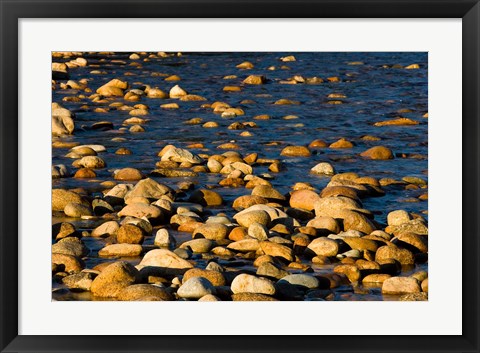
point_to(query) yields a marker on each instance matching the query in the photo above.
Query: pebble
(324, 247)
(401, 285)
(144, 292)
(304, 199)
(113, 279)
(212, 231)
(295, 151)
(77, 210)
(323, 168)
(301, 280)
(140, 210)
(216, 278)
(245, 283)
(166, 260)
(195, 288)
(130, 234)
(121, 250)
(378, 152)
(200, 246)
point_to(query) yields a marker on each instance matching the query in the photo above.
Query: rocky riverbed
(239, 176)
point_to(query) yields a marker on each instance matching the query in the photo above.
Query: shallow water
(374, 93)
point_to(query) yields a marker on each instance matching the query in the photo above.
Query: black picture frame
(12, 11)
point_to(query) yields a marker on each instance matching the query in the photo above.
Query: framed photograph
(236, 176)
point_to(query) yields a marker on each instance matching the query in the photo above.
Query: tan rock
(304, 199)
(244, 283)
(378, 152)
(113, 279)
(212, 231)
(324, 247)
(400, 285)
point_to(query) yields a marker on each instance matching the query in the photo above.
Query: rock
(121, 250)
(106, 229)
(345, 191)
(254, 80)
(59, 71)
(245, 283)
(397, 122)
(425, 285)
(166, 260)
(101, 207)
(92, 162)
(128, 174)
(61, 198)
(246, 201)
(277, 250)
(376, 278)
(77, 210)
(214, 277)
(391, 251)
(85, 173)
(63, 230)
(414, 297)
(156, 93)
(139, 210)
(341, 143)
(258, 231)
(140, 291)
(351, 271)
(181, 155)
(149, 189)
(251, 297)
(301, 280)
(289, 58)
(163, 238)
(318, 144)
(295, 151)
(70, 263)
(304, 199)
(244, 245)
(62, 121)
(177, 92)
(416, 226)
(324, 247)
(212, 231)
(60, 171)
(334, 206)
(70, 246)
(195, 288)
(79, 281)
(361, 244)
(324, 225)
(130, 234)
(248, 218)
(356, 221)
(246, 65)
(267, 192)
(209, 298)
(269, 269)
(398, 217)
(113, 88)
(323, 168)
(412, 239)
(198, 245)
(400, 285)
(214, 166)
(378, 152)
(113, 279)
(206, 198)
